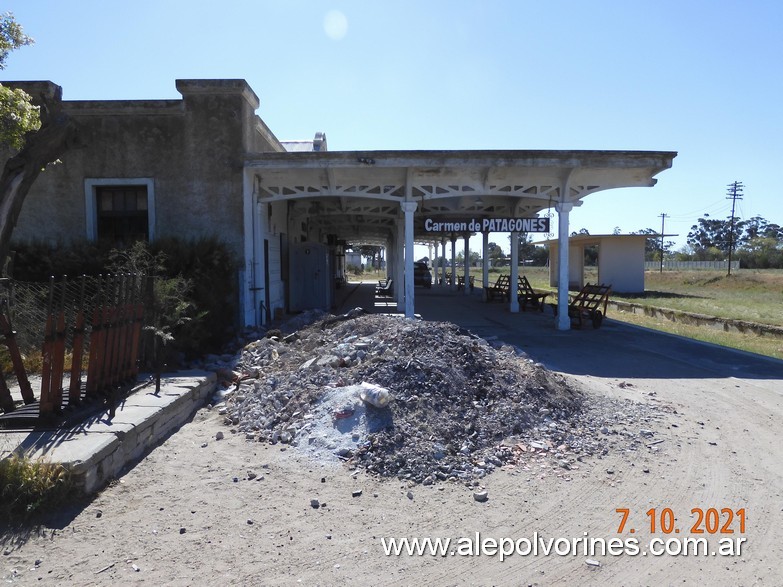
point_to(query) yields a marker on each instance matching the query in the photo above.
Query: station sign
(489, 225)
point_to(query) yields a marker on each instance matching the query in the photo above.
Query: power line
(704, 209)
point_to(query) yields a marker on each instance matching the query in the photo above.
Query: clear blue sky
(703, 78)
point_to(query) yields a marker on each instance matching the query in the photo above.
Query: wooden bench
(589, 304)
(461, 282)
(527, 294)
(500, 289)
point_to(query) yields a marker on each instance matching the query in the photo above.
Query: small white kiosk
(620, 260)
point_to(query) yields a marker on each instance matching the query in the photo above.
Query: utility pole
(663, 219)
(734, 194)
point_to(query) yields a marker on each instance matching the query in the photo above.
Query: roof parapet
(188, 87)
(37, 89)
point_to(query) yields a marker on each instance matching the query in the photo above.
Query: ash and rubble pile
(460, 406)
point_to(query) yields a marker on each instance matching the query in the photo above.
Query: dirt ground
(198, 511)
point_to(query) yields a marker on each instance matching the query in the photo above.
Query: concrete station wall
(192, 149)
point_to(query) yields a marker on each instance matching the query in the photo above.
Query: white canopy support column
(484, 264)
(514, 278)
(443, 263)
(255, 229)
(466, 265)
(563, 321)
(262, 232)
(399, 266)
(390, 252)
(409, 208)
(387, 257)
(452, 282)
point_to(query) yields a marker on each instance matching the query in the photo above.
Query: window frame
(91, 186)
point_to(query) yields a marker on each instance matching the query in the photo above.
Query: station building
(207, 164)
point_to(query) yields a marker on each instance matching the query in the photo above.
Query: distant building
(353, 258)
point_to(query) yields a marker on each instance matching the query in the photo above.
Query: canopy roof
(596, 239)
(357, 194)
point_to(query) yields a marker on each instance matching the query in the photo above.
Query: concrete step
(97, 450)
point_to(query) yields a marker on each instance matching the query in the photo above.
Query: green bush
(206, 266)
(38, 260)
(212, 271)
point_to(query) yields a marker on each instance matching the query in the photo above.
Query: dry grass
(33, 361)
(755, 296)
(369, 275)
(32, 486)
(771, 346)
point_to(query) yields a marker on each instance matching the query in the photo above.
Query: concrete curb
(725, 324)
(97, 450)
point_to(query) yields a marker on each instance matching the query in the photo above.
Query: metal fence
(691, 265)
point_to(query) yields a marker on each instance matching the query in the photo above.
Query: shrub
(195, 295)
(206, 265)
(38, 260)
(210, 267)
(29, 487)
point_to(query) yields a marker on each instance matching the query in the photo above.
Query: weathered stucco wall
(576, 266)
(621, 264)
(193, 149)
